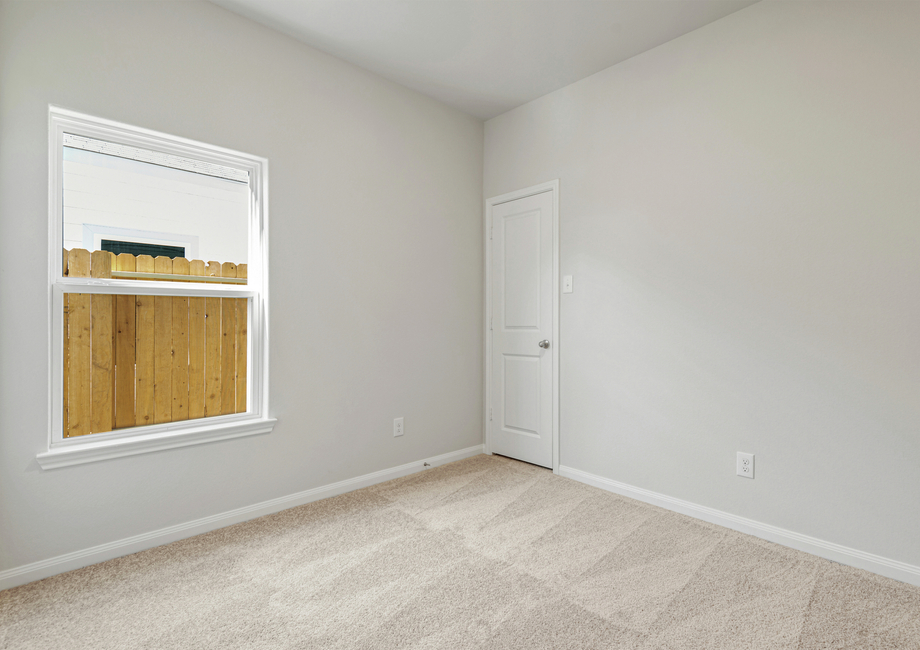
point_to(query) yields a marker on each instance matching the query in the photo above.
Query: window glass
(109, 199)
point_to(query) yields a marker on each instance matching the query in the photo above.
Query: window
(136, 248)
(158, 283)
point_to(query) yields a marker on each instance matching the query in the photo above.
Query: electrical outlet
(567, 284)
(397, 427)
(745, 465)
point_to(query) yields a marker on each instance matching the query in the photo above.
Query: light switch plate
(567, 284)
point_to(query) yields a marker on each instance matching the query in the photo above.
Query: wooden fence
(139, 360)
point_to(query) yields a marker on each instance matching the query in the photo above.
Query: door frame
(549, 186)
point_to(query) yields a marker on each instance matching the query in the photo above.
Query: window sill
(79, 451)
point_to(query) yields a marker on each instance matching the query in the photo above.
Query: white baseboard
(844, 555)
(75, 560)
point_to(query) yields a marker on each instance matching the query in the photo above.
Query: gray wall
(375, 261)
(739, 209)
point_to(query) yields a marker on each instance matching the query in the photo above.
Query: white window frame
(137, 440)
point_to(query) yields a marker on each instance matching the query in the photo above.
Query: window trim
(62, 451)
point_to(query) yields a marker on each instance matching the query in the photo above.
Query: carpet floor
(481, 553)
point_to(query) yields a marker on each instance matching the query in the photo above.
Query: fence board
(66, 350)
(145, 351)
(196, 348)
(180, 266)
(163, 349)
(212, 404)
(125, 341)
(228, 345)
(79, 328)
(102, 374)
(242, 347)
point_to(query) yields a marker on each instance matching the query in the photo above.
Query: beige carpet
(483, 553)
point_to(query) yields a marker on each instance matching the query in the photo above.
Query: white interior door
(522, 329)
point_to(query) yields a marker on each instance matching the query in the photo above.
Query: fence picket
(79, 328)
(66, 350)
(180, 266)
(125, 314)
(145, 351)
(242, 349)
(163, 348)
(228, 345)
(212, 404)
(103, 352)
(196, 348)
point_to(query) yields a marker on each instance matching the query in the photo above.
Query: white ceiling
(484, 56)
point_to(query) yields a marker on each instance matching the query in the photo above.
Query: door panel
(521, 269)
(522, 371)
(521, 394)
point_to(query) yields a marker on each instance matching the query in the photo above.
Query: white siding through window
(138, 201)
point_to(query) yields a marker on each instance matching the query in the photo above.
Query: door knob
(544, 344)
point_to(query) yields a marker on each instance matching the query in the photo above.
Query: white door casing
(522, 325)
